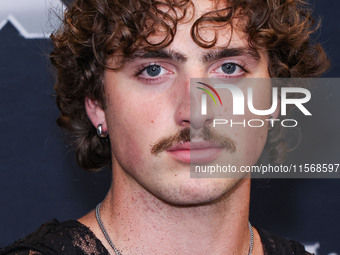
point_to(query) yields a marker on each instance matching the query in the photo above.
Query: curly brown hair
(93, 30)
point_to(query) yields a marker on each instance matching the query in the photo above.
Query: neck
(140, 223)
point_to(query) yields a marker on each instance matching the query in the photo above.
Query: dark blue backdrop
(39, 178)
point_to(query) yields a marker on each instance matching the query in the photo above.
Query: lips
(200, 152)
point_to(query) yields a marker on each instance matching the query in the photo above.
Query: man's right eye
(153, 73)
(153, 70)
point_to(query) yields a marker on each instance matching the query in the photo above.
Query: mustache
(184, 135)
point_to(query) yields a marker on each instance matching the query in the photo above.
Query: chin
(198, 191)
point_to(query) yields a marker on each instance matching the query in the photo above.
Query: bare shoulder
(89, 220)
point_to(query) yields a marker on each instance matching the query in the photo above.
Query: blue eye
(154, 73)
(153, 70)
(229, 68)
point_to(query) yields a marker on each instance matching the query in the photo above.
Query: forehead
(208, 23)
(200, 30)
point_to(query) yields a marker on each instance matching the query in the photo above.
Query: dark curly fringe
(93, 30)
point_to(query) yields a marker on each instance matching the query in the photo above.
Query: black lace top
(71, 237)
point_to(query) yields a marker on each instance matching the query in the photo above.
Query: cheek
(256, 143)
(251, 139)
(122, 137)
(254, 134)
(134, 126)
(249, 145)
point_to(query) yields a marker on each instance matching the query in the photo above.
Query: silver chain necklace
(119, 253)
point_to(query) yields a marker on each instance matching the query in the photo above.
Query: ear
(95, 112)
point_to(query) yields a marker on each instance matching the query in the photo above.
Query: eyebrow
(160, 54)
(230, 52)
(207, 57)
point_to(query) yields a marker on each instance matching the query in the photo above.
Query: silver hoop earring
(100, 132)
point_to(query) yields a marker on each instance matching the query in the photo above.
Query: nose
(189, 110)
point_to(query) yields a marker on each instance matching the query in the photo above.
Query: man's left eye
(230, 69)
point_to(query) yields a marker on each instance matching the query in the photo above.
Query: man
(123, 89)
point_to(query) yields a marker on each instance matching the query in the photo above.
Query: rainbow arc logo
(209, 93)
